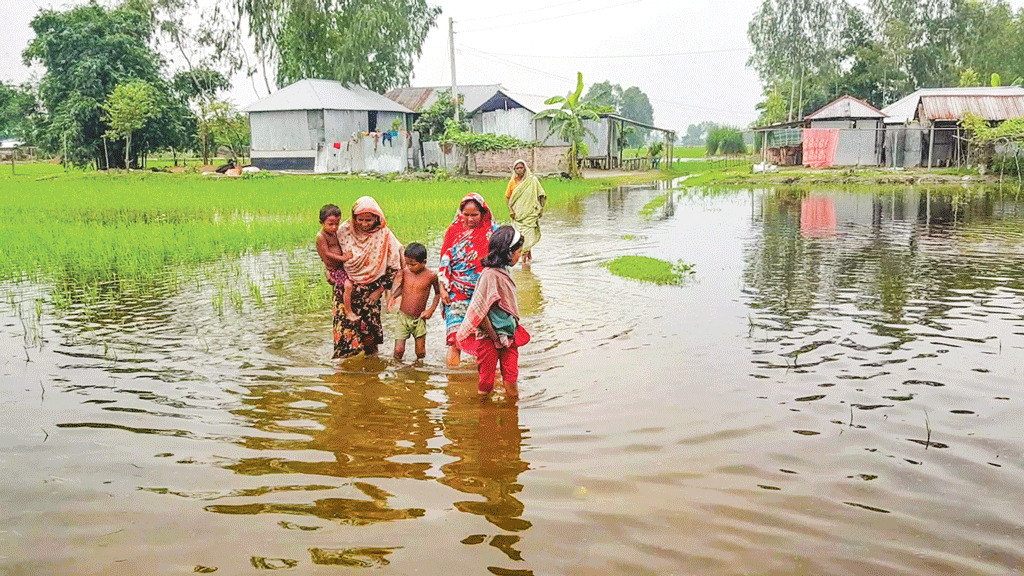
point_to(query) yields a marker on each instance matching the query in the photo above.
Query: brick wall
(541, 160)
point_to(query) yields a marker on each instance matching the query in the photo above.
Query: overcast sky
(688, 56)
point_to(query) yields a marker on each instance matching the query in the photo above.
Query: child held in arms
(329, 249)
(413, 285)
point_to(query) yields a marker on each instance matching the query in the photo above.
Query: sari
(462, 251)
(495, 288)
(523, 198)
(376, 257)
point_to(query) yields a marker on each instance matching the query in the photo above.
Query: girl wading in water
(376, 257)
(526, 198)
(464, 247)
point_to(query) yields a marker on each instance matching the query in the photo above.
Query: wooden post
(931, 145)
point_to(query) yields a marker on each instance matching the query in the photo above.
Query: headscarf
(464, 248)
(373, 252)
(512, 182)
(524, 201)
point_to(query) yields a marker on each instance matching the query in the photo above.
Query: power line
(498, 59)
(551, 17)
(617, 56)
(514, 64)
(519, 13)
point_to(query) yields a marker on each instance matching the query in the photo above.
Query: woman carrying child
(376, 257)
(462, 253)
(491, 330)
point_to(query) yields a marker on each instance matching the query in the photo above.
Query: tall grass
(101, 230)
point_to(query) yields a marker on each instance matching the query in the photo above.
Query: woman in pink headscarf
(376, 257)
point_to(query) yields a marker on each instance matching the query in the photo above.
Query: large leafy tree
(630, 103)
(434, 121)
(127, 109)
(604, 94)
(87, 51)
(568, 121)
(18, 111)
(372, 43)
(636, 106)
(808, 52)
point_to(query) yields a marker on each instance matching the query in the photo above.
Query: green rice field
(95, 233)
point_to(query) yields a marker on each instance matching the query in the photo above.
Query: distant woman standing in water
(376, 257)
(526, 199)
(464, 247)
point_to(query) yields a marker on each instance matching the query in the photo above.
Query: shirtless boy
(414, 286)
(329, 249)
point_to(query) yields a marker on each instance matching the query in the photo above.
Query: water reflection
(841, 373)
(486, 439)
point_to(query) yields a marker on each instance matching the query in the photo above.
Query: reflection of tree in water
(486, 438)
(875, 257)
(365, 421)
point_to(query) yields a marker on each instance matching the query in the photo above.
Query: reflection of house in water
(817, 217)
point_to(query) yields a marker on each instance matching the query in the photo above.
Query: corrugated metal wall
(341, 125)
(859, 141)
(284, 130)
(516, 122)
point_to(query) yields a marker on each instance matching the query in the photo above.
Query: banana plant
(567, 121)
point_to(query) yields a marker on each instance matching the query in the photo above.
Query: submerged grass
(647, 269)
(649, 209)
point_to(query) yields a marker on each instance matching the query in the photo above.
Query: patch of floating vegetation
(647, 269)
(648, 210)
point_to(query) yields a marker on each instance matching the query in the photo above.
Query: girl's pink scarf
(494, 287)
(373, 252)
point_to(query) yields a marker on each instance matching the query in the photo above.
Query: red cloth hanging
(820, 147)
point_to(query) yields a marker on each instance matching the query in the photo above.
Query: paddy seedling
(647, 269)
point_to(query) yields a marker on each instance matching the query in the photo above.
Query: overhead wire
(519, 12)
(619, 56)
(501, 60)
(519, 23)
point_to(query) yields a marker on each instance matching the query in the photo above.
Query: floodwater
(834, 391)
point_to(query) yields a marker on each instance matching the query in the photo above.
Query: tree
(87, 51)
(127, 109)
(199, 88)
(433, 122)
(18, 111)
(372, 43)
(568, 121)
(227, 127)
(605, 94)
(636, 106)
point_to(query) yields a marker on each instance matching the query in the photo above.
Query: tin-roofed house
(845, 132)
(923, 128)
(326, 126)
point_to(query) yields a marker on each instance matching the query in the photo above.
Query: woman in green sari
(526, 198)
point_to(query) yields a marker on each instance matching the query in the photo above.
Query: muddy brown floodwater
(836, 391)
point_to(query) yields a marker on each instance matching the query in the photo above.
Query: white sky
(693, 64)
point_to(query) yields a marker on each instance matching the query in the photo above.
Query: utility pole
(451, 54)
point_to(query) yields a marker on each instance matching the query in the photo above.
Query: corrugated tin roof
(987, 107)
(845, 107)
(945, 100)
(313, 94)
(419, 99)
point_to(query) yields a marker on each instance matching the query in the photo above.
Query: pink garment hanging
(820, 147)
